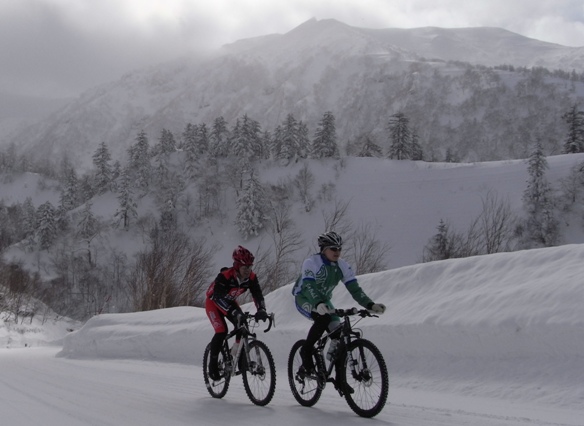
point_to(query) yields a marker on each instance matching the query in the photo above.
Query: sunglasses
(335, 248)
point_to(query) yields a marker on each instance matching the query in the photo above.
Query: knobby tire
(259, 373)
(306, 390)
(217, 389)
(369, 381)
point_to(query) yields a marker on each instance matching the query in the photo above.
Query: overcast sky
(63, 47)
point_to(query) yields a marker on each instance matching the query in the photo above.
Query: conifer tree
(189, 141)
(166, 143)
(370, 149)
(47, 226)
(574, 142)
(87, 228)
(127, 207)
(219, 138)
(289, 143)
(168, 217)
(139, 166)
(303, 140)
(116, 172)
(246, 141)
(190, 148)
(324, 144)
(399, 137)
(276, 142)
(29, 222)
(203, 138)
(541, 226)
(87, 225)
(266, 144)
(103, 174)
(441, 245)
(417, 152)
(250, 208)
(69, 193)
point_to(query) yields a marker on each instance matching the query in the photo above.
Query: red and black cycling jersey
(226, 288)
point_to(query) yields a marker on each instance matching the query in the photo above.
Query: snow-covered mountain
(361, 75)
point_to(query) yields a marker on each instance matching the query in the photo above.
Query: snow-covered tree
(575, 139)
(399, 137)
(139, 165)
(166, 143)
(29, 222)
(46, 225)
(370, 148)
(103, 173)
(289, 148)
(442, 244)
(168, 217)
(127, 208)
(69, 198)
(417, 151)
(246, 139)
(541, 226)
(219, 138)
(203, 138)
(324, 144)
(303, 140)
(250, 208)
(87, 228)
(87, 224)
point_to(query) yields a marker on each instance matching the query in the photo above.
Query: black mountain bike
(361, 372)
(251, 358)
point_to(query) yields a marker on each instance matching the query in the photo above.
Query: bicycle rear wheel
(305, 389)
(366, 377)
(218, 388)
(259, 373)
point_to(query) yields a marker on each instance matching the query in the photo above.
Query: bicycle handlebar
(271, 320)
(354, 311)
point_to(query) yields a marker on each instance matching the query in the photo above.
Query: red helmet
(242, 257)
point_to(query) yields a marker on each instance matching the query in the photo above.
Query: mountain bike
(251, 359)
(361, 372)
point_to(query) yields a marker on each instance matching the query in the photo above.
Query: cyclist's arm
(358, 294)
(353, 286)
(256, 293)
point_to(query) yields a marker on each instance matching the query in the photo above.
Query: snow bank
(507, 325)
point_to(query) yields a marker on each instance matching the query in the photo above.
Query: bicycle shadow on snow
(210, 411)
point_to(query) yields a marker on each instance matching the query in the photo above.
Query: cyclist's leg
(319, 326)
(220, 326)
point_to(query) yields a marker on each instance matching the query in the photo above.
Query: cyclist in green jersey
(313, 290)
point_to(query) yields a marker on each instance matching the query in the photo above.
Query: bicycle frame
(246, 336)
(347, 334)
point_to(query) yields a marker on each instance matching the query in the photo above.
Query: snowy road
(38, 388)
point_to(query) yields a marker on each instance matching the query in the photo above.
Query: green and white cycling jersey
(319, 278)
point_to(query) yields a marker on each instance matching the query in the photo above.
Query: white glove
(378, 308)
(322, 309)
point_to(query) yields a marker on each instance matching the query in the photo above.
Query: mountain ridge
(316, 67)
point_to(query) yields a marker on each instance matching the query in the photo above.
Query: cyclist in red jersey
(222, 303)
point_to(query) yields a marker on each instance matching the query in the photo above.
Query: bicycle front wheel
(217, 389)
(305, 389)
(258, 372)
(365, 378)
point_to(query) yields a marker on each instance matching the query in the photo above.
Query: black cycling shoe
(306, 372)
(213, 372)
